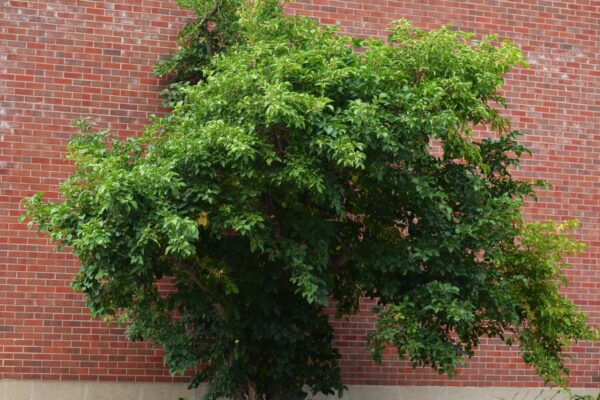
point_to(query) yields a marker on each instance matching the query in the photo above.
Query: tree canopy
(299, 168)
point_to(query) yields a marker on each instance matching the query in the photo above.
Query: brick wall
(64, 59)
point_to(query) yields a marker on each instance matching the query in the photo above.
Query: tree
(297, 167)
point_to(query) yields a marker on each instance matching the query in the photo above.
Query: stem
(186, 269)
(204, 26)
(204, 21)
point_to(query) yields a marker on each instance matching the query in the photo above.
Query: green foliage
(558, 394)
(296, 167)
(585, 397)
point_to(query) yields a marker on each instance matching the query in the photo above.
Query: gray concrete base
(73, 390)
(455, 393)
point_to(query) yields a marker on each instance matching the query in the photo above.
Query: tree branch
(204, 25)
(189, 272)
(204, 21)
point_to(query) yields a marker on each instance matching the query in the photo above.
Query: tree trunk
(247, 393)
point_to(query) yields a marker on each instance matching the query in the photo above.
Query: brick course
(61, 60)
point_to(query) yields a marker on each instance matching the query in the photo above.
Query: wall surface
(61, 60)
(86, 390)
